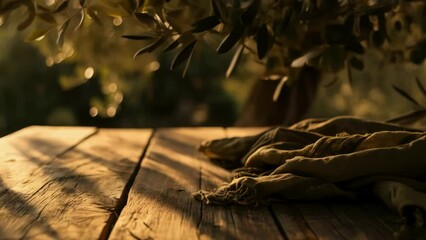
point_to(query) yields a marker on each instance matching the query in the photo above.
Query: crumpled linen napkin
(317, 159)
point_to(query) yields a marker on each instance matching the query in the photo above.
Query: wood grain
(69, 182)
(160, 204)
(73, 194)
(292, 222)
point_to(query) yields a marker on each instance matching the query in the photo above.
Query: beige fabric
(319, 159)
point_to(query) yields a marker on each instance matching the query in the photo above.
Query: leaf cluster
(283, 35)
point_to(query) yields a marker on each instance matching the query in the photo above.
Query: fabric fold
(325, 158)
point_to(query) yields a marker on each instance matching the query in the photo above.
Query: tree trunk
(290, 107)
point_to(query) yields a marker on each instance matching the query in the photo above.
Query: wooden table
(88, 183)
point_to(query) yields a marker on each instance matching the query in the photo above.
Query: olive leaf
(406, 95)
(185, 70)
(61, 33)
(171, 18)
(36, 34)
(235, 59)
(61, 7)
(249, 15)
(279, 88)
(80, 22)
(184, 55)
(364, 25)
(92, 13)
(205, 24)
(301, 61)
(409, 118)
(185, 38)
(150, 47)
(382, 25)
(379, 37)
(174, 44)
(31, 15)
(219, 9)
(420, 86)
(82, 2)
(231, 39)
(284, 21)
(262, 39)
(145, 18)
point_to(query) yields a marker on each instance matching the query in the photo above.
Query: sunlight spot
(111, 111)
(118, 97)
(58, 58)
(112, 87)
(93, 111)
(39, 38)
(49, 61)
(49, 2)
(69, 53)
(1, 21)
(117, 21)
(88, 73)
(372, 2)
(200, 114)
(153, 66)
(66, 46)
(346, 89)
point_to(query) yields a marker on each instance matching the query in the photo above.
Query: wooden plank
(18, 152)
(233, 222)
(73, 195)
(41, 142)
(385, 217)
(24, 151)
(160, 205)
(292, 222)
(365, 224)
(324, 224)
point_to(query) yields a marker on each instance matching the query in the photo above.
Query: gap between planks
(46, 147)
(122, 202)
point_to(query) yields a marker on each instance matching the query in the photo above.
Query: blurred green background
(79, 87)
(36, 90)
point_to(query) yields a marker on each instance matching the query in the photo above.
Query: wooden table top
(88, 183)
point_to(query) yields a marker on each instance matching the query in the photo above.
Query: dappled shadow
(175, 166)
(18, 206)
(57, 180)
(170, 201)
(170, 173)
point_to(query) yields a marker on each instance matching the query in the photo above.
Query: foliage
(283, 36)
(30, 93)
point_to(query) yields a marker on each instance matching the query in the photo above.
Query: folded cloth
(320, 159)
